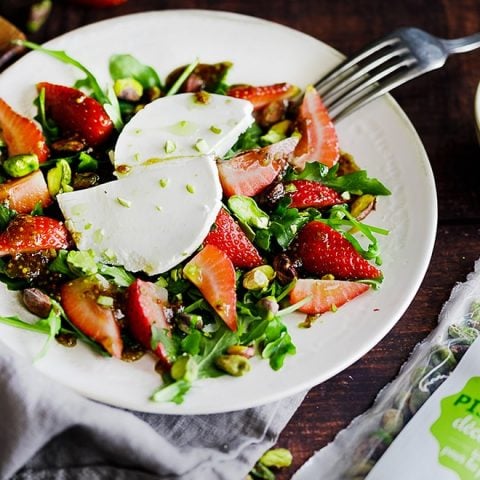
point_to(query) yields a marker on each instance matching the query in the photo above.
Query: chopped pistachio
(185, 368)
(158, 208)
(190, 188)
(109, 254)
(169, 146)
(105, 301)
(215, 129)
(21, 165)
(277, 457)
(164, 182)
(123, 202)
(258, 278)
(128, 89)
(236, 365)
(98, 235)
(201, 146)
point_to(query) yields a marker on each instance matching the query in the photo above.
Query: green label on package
(458, 431)
(442, 440)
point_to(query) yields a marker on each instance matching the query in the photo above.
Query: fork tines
(366, 75)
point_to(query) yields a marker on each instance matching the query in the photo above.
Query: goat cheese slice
(149, 220)
(184, 125)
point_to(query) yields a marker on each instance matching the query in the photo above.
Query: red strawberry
(77, 114)
(24, 193)
(263, 95)
(21, 134)
(319, 142)
(326, 294)
(79, 299)
(250, 172)
(146, 308)
(26, 233)
(322, 250)
(308, 193)
(213, 273)
(227, 235)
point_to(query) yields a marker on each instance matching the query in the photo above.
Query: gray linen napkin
(49, 432)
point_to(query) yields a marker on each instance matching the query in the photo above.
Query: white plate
(379, 136)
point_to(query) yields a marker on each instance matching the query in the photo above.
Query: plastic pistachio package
(426, 423)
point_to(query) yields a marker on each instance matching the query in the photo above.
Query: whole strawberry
(322, 250)
(76, 114)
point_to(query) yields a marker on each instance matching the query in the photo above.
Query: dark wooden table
(440, 105)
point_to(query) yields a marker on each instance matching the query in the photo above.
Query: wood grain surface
(440, 106)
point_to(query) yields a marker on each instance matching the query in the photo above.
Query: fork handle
(464, 44)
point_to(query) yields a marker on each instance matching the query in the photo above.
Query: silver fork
(385, 64)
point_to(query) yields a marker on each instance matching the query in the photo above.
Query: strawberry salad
(184, 219)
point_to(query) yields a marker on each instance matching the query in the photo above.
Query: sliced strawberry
(263, 95)
(319, 141)
(25, 193)
(308, 193)
(80, 300)
(250, 172)
(213, 273)
(227, 235)
(146, 308)
(76, 113)
(326, 295)
(26, 233)
(21, 134)
(322, 250)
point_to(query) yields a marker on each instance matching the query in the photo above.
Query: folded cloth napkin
(50, 432)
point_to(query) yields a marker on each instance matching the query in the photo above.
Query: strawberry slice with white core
(213, 273)
(25, 193)
(325, 295)
(146, 309)
(250, 172)
(26, 234)
(80, 300)
(21, 134)
(319, 141)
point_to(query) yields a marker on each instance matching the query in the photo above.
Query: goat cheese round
(184, 125)
(149, 220)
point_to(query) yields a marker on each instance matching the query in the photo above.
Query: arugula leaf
(211, 348)
(127, 66)
(118, 275)
(312, 171)
(49, 326)
(5, 216)
(184, 75)
(161, 336)
(174, 392)
(357, 183)
(284, 225)
(48, 126)
(248, 140)
(278, 349)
